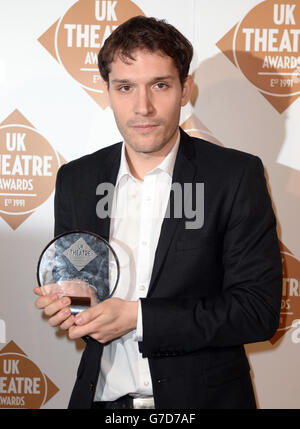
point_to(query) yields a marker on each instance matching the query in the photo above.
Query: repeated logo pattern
(265, 47)
(22, 383)
(28, 167)
(75, 38)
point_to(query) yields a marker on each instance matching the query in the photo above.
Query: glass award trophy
(81, 265)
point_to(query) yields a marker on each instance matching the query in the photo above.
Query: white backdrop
(227, 108)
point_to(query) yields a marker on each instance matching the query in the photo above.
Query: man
(174, 335)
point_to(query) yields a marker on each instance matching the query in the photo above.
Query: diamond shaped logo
(28, 169)
(75, 38)
(80, 254)
(264, 46)
(23, 384)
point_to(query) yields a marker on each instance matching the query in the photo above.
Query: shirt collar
(167, 164)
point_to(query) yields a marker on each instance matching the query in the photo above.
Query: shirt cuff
(139, 326)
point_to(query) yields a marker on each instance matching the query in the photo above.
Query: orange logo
(28, 167)
(290, 304)
(265, 47)
(22, 384)
(75, 39)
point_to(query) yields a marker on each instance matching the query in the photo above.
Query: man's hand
(106, 321)
(55, 308)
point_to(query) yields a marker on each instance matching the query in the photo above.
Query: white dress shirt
(137, 214)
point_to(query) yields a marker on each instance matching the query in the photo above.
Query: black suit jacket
(212, 289)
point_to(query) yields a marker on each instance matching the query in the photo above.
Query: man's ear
(187, 90)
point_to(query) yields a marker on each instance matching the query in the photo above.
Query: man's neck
(140, 163)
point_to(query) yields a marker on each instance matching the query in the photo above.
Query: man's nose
(144, 104)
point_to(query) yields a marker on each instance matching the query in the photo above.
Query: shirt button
(146, 383)
(144, 243)
(142, 287)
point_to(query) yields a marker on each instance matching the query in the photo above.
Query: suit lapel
(184, 172)
(108, 175)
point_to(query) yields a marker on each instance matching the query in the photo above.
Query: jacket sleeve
(62, 215)
(247, 308)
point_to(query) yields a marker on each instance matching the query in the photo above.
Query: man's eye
(161, 85)
(124, 88)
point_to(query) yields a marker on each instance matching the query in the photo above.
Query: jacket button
(161, 380)
(92, 386)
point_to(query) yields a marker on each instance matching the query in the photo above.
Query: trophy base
(79, 304)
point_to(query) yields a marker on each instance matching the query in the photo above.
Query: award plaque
(81, 265)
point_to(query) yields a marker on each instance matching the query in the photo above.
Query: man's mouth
(144, 128)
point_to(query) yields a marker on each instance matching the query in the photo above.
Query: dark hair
(150, 34)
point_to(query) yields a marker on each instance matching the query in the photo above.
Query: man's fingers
(67, 323)
(61, 319)
(80, 331)
(88, 315)
(44, 301)
(57, 305)
(86, 323)
(51, 304)
(49, 289)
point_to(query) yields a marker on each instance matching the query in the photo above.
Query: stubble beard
(145, 147)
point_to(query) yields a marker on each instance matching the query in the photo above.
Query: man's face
(146, 97)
